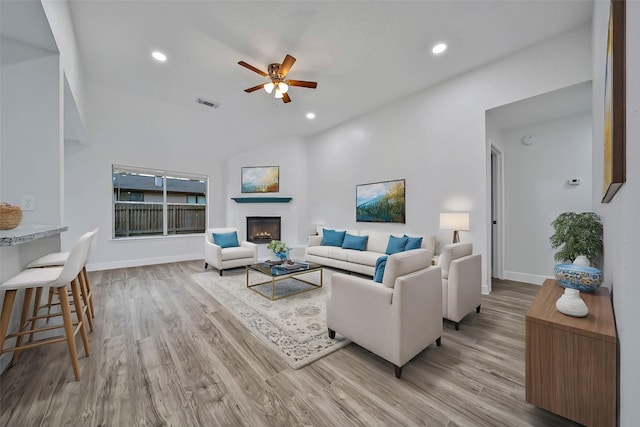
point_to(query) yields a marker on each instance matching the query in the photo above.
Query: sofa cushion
(236, 253)
(226, 240)
(413, 243)
(322, 251)
(332, 237)
(381, 263)
(377, 241)
(355, 242)
(339, 253)
(404, 263)
(450, 252)
(396, 244)
(364, 257)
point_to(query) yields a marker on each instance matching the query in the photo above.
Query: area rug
(294, 327)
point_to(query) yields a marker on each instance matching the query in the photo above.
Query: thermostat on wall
(574, 181)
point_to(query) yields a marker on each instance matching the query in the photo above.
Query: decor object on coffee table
(571, 304)
(381, 202)
(585, 279)
(577, 234)
(10, 216)
(279, 248)
(396, 319)
(226, 251)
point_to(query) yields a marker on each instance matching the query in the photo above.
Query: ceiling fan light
(278, 94)
(269, 87)
(283, 87)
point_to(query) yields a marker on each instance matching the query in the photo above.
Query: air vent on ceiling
(208, 103)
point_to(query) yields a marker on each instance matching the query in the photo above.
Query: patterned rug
(294, 327)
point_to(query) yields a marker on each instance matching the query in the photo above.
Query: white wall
(620, 216)
(291, 156)
(436, 140)
(31, 141)
(130, 130)
(537, 191)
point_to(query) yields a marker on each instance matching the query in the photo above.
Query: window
(157, 203)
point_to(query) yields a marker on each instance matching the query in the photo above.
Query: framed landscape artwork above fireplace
(260, 179)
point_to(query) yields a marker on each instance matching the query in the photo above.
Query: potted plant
(279, 248)
(577, 234)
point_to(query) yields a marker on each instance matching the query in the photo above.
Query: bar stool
(57, 278)
(57, 259)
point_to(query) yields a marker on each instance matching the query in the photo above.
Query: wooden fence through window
(145, 219)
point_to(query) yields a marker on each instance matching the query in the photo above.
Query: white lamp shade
(283, 87)
(454, 221)
(269, 87)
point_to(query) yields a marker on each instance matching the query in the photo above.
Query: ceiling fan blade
(252, 68)
(302, 83)
(286, 65)
(285, 98)
(255, 88)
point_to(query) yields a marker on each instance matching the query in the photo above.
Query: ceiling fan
(277, 84)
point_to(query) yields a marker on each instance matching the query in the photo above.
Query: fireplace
(263, 229)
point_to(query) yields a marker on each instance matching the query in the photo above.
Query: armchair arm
(212, 254)
(465, 286)
(357, 306)
(251, 246)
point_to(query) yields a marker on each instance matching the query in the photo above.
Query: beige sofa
(395, 319)
(354, 260)
(461, 281)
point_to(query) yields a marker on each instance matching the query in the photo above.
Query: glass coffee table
(278, 274)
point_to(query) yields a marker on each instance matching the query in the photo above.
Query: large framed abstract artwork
(614, 104)
(381, 202)
(260, 179)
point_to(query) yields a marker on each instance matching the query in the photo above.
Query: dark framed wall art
(381, 202)
(260, 179)
(614, 104)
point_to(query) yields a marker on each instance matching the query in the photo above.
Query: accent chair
(223, 258)
(461, 281)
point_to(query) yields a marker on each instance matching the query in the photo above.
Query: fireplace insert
(263, 229)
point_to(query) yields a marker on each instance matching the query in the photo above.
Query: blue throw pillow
(355, 242)
(413, 243)
(226, 240)
(396, 244)
(332, 237)
(381, 263)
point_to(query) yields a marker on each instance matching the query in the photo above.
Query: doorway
(497, 212)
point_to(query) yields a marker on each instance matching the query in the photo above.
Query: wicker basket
(10, 216)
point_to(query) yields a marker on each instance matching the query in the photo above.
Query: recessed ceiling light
(311, 116)
(439, 48)
(159, 56)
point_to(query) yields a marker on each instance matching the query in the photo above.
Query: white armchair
(395, 319)
(224, 258)
(461, 281)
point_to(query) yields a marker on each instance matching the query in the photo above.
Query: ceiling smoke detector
(207, 103)
(528, 139)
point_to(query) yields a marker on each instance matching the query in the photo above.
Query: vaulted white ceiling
(362, 54)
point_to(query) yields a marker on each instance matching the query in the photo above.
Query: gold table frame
(284, 275)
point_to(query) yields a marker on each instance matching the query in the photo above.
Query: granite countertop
(27, 233)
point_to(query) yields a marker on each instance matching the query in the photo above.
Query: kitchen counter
(28, 233)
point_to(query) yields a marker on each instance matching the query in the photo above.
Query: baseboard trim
(525, 277)
(142, 261)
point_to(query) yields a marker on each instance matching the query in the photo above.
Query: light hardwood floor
(165, 353)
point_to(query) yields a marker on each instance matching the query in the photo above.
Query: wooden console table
(570, 361)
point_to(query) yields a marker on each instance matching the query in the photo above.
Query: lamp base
(456, 237)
